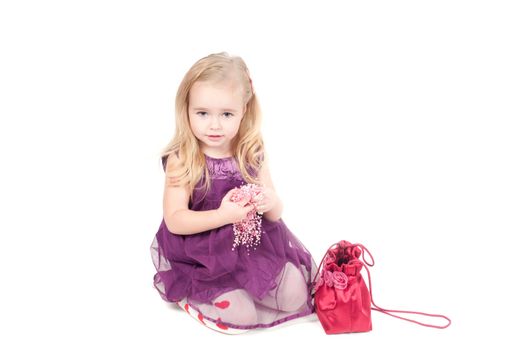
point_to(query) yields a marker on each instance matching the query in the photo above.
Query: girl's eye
(202, 113)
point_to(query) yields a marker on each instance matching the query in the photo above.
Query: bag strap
(389, 312)
(365, 263)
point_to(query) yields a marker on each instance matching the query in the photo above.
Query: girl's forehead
(213, 93)
(229, 84)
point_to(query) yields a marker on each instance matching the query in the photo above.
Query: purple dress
(203, 266)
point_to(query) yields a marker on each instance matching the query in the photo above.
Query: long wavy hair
(247, 146)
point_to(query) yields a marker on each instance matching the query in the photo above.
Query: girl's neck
(217, 156)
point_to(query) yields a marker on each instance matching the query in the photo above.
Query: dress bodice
(223, 168)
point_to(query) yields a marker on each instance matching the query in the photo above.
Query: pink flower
(336, 279)
(328, 278)
(247, 191)
(249, 230)
(340, 280)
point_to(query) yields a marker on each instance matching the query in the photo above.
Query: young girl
(217, 148)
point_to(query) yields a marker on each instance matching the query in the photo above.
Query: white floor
(396, 124)
(306, 331)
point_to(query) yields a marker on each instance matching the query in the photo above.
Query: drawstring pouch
(343, 302)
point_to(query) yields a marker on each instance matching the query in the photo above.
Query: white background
(397, 124)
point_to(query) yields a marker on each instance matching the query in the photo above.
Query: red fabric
(342, 299)
(346, 307)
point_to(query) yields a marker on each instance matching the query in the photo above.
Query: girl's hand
(266, 200)
(234, 211)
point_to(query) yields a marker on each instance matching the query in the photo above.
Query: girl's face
(215, 110)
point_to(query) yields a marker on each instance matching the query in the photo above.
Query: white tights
(238, 307)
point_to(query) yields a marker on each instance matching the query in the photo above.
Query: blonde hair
(248, 146)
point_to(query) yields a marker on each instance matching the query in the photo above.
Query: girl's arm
(276, 213)
(178, 218)
(189, 222)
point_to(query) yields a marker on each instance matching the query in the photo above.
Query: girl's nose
(215, 123)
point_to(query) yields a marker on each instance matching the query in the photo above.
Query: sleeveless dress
(201, 267)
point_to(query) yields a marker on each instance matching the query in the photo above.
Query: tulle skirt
(240, 288)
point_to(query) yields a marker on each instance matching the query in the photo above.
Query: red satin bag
(342, 299)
